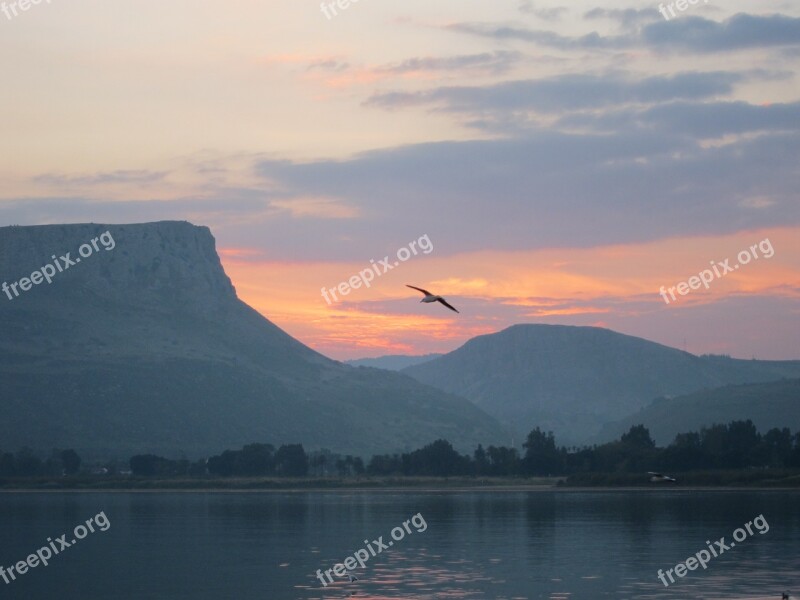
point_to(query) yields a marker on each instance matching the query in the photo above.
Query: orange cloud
(495, 289)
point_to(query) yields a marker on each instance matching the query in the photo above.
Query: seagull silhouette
(658, 477)
(431, 297)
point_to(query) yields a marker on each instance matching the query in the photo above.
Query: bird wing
(654, 473)
(426, 292)
(443, 301)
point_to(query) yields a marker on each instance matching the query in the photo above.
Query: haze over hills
(146, 348)
(573, 380)
(392, 362)
(768, 405)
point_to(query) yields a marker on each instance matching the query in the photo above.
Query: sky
(558, 163)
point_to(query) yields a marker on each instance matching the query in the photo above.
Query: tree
(713, 442)
(71, 461)
(638, 436)
(776, 448)
(255, 459)
(223, 465)
(541, 455)
(794, 458)
(438, 459)
(291, 461)
(503, 462)
(148, 465)
(481, 461)
(684, 453)
(27, 463)
(385, 464)
(144, 465)
(7, 465)
(318, 462)
(742, 444)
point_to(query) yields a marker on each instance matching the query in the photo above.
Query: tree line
(737, 445)
(25, 463)
(253, 460)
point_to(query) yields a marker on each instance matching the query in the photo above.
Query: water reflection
(499, 546)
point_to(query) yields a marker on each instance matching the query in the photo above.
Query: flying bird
(658, 477)
(352, 578)
(431, 297)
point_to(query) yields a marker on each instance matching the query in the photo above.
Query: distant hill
(768, 405)
(392, 362)
(146, 348)
(573, 380)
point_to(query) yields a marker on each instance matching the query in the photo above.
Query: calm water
(476, 545)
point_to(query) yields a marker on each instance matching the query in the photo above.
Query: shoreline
(426, 489)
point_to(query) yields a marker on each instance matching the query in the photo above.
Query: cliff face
(158, 266)
(143, 346)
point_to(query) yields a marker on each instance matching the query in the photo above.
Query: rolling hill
(768, 405)
(573, 380)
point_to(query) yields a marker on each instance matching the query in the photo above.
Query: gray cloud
(566, 92)
(121, 176)
(330, 64)
(741, 31)
(31, 211)
(591, 41)
(696, 119)
(687, 33)
(540, 189)
(550, 189)
(492, 61)
(627, 17)
(546, 14)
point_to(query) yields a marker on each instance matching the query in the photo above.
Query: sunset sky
(564, 160)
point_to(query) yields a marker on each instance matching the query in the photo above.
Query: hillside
(573, 380)
(392, 362)
(146, 348)
(768, 405)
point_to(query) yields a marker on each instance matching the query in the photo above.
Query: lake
(497, 545)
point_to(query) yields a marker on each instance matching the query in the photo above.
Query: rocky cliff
(143, 346)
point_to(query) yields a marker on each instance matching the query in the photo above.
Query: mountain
(143, 346)
(392, 362)
(768, 405)
(573, 380)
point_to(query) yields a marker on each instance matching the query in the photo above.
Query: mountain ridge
(147, 348)
(768, 405)
(572, 380)
(393, 362)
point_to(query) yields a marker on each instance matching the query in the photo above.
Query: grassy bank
(763, 478)
(718, 478)
(265, 483)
